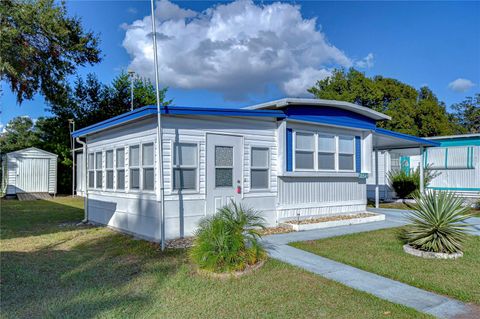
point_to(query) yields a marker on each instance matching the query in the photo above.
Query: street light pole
(130, 74)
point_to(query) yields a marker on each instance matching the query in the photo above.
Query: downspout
(85, 178)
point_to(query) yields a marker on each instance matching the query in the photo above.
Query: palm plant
(229, 240)
(437, 223)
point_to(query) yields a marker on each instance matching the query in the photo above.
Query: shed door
(32, 175)
(224, 170)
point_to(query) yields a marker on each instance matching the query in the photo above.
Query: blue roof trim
(406, 137)
(174, 110)
(331, 116)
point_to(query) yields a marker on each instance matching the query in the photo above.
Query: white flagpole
(160, 187)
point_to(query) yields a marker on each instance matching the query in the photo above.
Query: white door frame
(213, 195)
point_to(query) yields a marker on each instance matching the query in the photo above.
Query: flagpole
(160, 188)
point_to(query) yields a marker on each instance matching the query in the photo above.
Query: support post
(422, 178)
(377, 188)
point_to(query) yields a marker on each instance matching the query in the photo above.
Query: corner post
(377, 189)
(422, 178)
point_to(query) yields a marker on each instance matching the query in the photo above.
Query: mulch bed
(329, 218)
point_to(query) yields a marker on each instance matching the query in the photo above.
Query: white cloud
(236, 48)
(366, 62)
(461, 85)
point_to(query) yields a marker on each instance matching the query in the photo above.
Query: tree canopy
(415, 112)
(468, 114)
(41, 46)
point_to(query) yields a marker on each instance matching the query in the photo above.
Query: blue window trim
(289, 150)
(358, 154)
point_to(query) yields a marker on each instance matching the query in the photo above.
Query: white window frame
(99, 170)
(110, 170)
(196, 167)
(315, 142)
(316, 168)
(130, 167)
(143, 167)
(91, 169)
(339, 153)
(117, 168)
(267, 168)
(335, 151)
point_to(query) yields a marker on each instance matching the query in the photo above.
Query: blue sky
(420, 43)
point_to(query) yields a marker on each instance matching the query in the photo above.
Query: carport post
(422, 181)
(377, 189)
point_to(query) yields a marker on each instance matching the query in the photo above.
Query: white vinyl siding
(259, 174)
(185, 166)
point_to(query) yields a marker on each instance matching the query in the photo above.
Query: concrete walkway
(388, 289)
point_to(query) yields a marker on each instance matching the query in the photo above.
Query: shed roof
(32, 149)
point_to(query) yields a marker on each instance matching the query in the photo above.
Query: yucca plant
(229, 240)
(437, 223)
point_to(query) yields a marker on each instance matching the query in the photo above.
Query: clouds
(461, 85)
(236, 49)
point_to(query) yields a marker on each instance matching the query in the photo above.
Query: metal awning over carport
(388, 140)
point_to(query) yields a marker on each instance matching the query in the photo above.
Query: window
(91, 170)
(184, 166)
(147, 167)
(109, 169)
(346, 152)
(259, 172)
(326, 152)
(223, 166)
(98, 170)
(134, 167)
(120, 162)
(304, 150)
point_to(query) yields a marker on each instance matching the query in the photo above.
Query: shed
(30, 170)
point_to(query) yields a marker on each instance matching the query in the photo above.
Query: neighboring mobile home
(455, 163)
(287, 158)
(30, 170)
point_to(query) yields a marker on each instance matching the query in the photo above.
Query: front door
(224, 170)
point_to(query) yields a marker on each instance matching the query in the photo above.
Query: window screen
(185, 166)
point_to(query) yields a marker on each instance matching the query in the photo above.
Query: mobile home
(455, 163)
(287, 158)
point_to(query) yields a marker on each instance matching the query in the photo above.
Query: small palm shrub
(229, 240)
(437, 223)
(405, 184)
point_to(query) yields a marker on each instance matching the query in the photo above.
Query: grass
(396, 205)
(381, 252)
(67, 271)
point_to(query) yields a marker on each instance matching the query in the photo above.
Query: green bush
(437, 223)
(405, 184)
(229, 240)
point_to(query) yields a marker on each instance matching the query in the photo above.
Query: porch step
(33, 196)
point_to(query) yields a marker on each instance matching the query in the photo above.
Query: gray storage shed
(30, 170)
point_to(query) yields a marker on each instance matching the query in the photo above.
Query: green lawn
(381, 252)
(51, 268)
(475, 212)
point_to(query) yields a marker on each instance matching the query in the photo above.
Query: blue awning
(387, 140)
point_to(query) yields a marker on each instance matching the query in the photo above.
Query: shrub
(437, 223)
(405, 184)
(229, 240)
